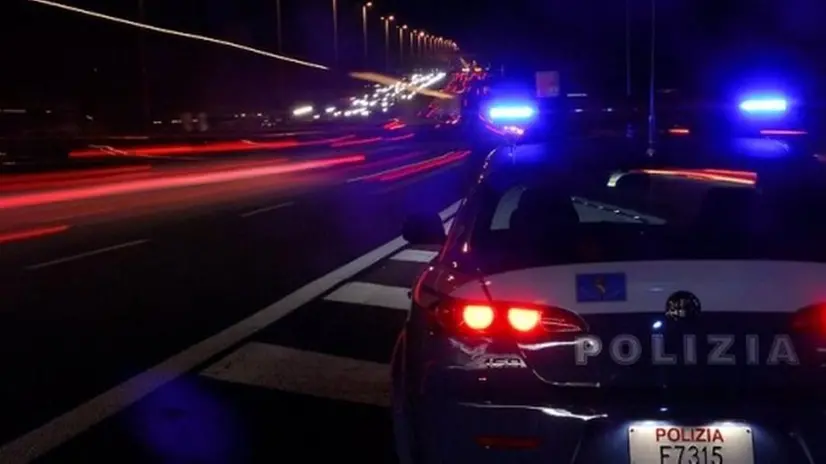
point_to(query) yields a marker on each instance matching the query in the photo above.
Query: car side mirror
(424, 229)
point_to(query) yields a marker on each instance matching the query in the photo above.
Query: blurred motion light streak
(387, 80)
(413, 168)
(400, 137)
(71, 175)
(303, 111)
(31, 233)
(424, 166)
(180, 34)
(356, 142)
(219, 147)
(185, 180)
(708, 176)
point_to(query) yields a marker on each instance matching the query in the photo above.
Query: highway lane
(158, 152)
(137, 277)
(50, 197)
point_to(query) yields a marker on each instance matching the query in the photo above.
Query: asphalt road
(102, 283)
(240, 309)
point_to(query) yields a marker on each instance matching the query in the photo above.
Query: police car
(569, 318)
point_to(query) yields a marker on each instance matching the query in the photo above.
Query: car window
(545, 223)
(587, 211)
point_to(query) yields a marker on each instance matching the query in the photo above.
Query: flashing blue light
(511, 112)
(764, 105)
(657, 325)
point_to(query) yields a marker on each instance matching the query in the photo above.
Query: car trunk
(727, 335)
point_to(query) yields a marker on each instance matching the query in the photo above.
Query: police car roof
(598, 157)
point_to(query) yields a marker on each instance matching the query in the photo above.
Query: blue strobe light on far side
(511, 113)
(764, 105)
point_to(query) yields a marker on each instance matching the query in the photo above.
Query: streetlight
(364, 26)
(652, 122)
(387, 21)
(278, 25)
(335, 30)
(627, 48)
(413, 34)
(401, 42)
(419, 44)
(147, 108)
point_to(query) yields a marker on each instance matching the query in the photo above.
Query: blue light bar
(511, 112)
(764, 105)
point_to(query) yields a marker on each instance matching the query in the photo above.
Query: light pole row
(421, 42)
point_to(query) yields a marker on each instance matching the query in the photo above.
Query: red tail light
(480, 318)
(524, 320)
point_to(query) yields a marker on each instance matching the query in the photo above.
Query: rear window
(587, 211)
(544, 222)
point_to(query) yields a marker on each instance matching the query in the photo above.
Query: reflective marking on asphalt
(305, 372)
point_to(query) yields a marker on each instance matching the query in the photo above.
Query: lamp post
(147, 108)
(387, 20)
(278, 26)
(627, 48)
(364, 26)
(652, 122)
(413, 34)
(401, 42)
(335, 30)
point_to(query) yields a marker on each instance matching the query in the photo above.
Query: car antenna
(481, 277)
(652, 126)
(511, 141)
(483, 282)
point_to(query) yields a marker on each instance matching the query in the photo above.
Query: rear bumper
(487, 432)
(507, 416)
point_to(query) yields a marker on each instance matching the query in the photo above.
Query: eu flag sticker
(600, 287)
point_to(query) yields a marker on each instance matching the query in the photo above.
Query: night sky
(558, 29)
(700, 43)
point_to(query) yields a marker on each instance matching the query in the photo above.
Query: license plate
(669, 444)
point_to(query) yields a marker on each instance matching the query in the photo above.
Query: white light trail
(187, 35)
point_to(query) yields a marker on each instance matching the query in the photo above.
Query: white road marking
(72, 423)
(415, 256)
(87, 254)
(266, 209)
(369, 294)
(305, 372)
